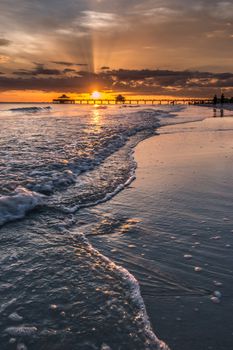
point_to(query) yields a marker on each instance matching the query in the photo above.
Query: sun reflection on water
(96, 117)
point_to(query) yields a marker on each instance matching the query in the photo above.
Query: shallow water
(57, 291)
(173, 230)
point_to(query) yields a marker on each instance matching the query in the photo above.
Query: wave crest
(18, 204)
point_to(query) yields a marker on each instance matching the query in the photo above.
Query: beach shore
(173, 230)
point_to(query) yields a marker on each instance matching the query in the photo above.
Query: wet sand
(173, 229)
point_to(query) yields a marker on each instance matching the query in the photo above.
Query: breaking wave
(77, 162)
(31, 109)
(59, 291)
(16, 205)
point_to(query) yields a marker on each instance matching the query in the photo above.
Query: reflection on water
(96, 117)
(97, 120)
(57, 291)
(218, 112)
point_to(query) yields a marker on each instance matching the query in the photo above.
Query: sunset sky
(169, 47)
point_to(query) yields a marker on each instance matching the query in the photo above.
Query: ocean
(60, 169)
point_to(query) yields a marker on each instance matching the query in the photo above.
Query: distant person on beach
(222, 99)
(215, 100)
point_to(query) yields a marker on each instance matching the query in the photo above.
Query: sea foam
(18, 204)
(30, 109)
(133, 288)
(21, 331)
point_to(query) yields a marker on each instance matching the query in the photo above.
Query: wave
(16, 206)
(132, 285)
(102, 168)
(107, 196)
(74, 280)
(30, 109)
(96, 167)
(79, 167)
(92, 178)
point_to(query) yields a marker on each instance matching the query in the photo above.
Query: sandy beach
(173, 230)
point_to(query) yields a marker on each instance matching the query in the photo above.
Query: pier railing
(134, 101)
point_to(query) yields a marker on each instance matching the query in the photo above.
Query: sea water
(57, 290)
(172, 228)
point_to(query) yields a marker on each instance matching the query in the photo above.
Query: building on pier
(63, 99)
(120, 99)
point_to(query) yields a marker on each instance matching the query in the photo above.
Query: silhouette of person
(222, 99)
(215, 100)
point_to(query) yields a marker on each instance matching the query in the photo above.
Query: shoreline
(139, 230)
(165, 292)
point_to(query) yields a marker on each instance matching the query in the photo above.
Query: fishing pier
(186, 101)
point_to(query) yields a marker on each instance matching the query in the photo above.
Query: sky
(153, 47)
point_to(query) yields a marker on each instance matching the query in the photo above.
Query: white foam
(105, 347)
(21, 346)
(18, 204)
(106, 198)
(30, 109)
(15, 317)
(217, 294)
(135, 296)
(21, 331)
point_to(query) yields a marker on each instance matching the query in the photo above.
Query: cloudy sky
(169, 47)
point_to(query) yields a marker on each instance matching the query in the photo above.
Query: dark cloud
(62, 63)
(80, 83)
(93, 35)
(69, 70)
(38, 70)
(69, 64)
(180, 83)
(4, 42)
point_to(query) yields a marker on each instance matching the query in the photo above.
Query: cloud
(98, 20)
(69, 64)
(162, 14)
(38, 70)
(69, 70)
(4, 42)
(4, 59)
(179, 83)
(132, 34)
(62, 63)
(223, 10)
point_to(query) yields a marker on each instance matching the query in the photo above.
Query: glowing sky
(173, 47)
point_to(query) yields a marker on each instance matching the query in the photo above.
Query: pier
(186, 101)
(64, 100)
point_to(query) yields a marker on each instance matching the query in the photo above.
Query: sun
(96, 94)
